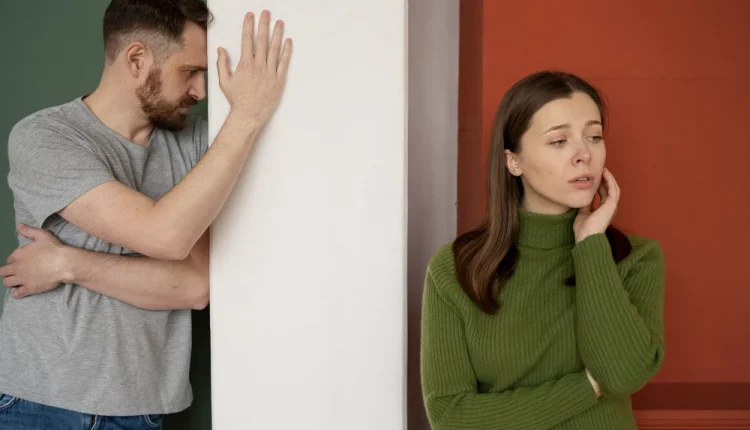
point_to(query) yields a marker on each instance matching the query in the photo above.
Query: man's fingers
(261, 44)
(27, 232)
(11, 281)
(12, 257)
(286, 55)
(248, 27)
(6, 270)
(222, 64)
(23, 231)
(20, 293)
(32, 233)
(274, 52)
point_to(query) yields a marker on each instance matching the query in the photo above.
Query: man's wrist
(67, 257)
(243, 124)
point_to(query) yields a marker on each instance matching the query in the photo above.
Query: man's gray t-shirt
(71, 347)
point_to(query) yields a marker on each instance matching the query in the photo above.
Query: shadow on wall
(51, 67)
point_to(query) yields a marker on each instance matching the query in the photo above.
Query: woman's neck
(546, 231)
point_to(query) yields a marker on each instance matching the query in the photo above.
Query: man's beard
(162, 113)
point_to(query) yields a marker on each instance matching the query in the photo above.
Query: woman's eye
(560, 142)
(596, 138)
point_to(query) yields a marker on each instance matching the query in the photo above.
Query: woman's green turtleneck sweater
(524, 367)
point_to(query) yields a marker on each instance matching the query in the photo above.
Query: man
(125, 179)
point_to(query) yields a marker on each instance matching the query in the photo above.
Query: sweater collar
(546, 231)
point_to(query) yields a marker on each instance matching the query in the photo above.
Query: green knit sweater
(524, 367)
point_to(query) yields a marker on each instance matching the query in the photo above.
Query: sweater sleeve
(620, 320)
(449, 383)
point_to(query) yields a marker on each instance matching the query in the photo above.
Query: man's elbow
(172, 247)
(202, 292)
(201, 302)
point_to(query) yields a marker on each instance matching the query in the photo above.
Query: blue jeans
(19, 414)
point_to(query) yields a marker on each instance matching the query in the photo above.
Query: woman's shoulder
(441, 270)
(644, 250)
(643, 245)
(442, 259)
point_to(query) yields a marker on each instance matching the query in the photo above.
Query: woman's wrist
(583, 235)
(594, 384)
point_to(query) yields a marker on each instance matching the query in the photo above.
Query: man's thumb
(28, 232)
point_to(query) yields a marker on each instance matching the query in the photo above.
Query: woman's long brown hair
(486, 257)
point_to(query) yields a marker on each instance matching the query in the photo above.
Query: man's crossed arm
(44, 263)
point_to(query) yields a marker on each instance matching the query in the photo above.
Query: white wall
(309, 258)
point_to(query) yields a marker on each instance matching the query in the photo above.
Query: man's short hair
(159, 24)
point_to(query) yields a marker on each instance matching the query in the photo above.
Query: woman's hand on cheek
(590, 221)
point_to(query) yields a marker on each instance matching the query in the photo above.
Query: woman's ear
(511, 163)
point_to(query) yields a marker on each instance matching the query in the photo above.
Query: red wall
(676, 75)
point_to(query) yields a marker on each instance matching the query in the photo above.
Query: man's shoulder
(197, 125)
(40, 119)
(49, 120)
(197, 121)
(192, 139)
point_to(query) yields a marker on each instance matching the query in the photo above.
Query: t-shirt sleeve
(49, 169)
(201, 137)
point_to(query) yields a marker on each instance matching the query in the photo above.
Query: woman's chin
(580, 201)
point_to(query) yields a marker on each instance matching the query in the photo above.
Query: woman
(545, 316)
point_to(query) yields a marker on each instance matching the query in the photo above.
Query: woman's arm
(450, 386)
(620, 319)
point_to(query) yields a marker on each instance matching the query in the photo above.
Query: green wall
(53, 53)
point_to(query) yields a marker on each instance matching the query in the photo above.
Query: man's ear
(137, 58)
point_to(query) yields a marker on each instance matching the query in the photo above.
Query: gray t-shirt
(73, 348)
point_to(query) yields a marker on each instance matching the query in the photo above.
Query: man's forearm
(204, 190)
(142, 282)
